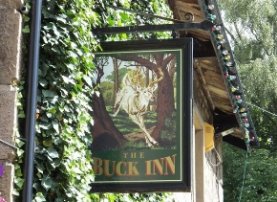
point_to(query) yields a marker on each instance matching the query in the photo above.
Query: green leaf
(47, 183)
(68, 80)
(47, 143)
(26, 29)
(43, 82)
(48, 93)
(55, 125)
(44, 126)
(55, 163)
(88, 80)
(39, 197)
(52, 153)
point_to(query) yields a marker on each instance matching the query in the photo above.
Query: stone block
(8, 119)
(10, 37)
(11, 4)
(6, 181)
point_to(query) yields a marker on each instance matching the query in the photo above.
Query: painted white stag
(134, 100)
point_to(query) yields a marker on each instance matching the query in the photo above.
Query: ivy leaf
(47, 143)
(88, 80)
(19, 152)
(55, 163)
(53, 153)
(48, 93)
(68, 80)
(39, 197)
(44, 126)
(55, 125)
(47, 183)
(43, 82)
(40, 168)
(26, 30)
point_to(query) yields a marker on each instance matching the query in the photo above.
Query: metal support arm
(204, 25)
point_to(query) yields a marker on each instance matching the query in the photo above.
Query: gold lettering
(170, 163)
(125, 155)
(158, 166)
(141, 155)
(132, 169)
(148, 168)
(97, 166)
(162, 166)
(118, 169)
(133, 155)
(107, 168)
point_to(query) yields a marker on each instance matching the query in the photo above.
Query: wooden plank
(213, 75)
(218, 100)
(222, 104)
(211, 67)
(225, 108)
(200, 99)
(219, 92)
(185, 9)
(204, 84)
(209, 59)
(214, 79)
(208, 63)
(220, 86)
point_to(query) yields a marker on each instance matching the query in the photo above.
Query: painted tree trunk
(165, 105)
(105, 134)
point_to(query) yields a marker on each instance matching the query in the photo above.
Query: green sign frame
(142, 109)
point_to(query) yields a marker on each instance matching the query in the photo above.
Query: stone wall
(213, 174)
(10, 35)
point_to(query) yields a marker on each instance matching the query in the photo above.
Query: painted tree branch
(167, 60)
(139, 60)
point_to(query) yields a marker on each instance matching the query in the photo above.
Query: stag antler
(161, 74)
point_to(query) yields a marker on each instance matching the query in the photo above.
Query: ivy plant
(63, 159)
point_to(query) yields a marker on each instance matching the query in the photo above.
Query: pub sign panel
(142, 110)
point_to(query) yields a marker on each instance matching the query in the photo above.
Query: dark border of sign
(186, 44)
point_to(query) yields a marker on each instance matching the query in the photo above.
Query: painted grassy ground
(126, 126)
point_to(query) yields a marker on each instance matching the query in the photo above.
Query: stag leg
(150, 141)
(149, 144)
(117, 110)
(148, 136)
(117, 103)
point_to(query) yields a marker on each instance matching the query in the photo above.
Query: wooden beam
(217, 91)
(223, 107)
(222, 104)
(209, 63)
(214, 79)
(204, 84)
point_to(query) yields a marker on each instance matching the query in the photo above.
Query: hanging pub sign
(142, 112)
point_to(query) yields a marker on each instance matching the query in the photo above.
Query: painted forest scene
(136, 104)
